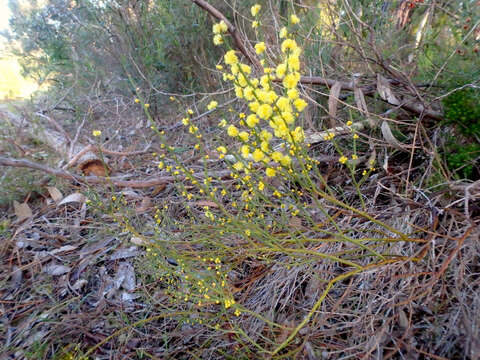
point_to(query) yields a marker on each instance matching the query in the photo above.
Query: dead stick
(100, 180)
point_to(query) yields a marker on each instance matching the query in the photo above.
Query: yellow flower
(260, 47)
(185, 121)
(288, 117)
(220, 27)
(248, 93)
(252, 120)
(245, 150)
(219, 67)
(264, 146)
(289, 45)
(230, 58)
(293, 63)
(286, 160)
(213, 104)
(96, 133)
(355, 136)
(218, 40)
(298, 135)
(253, 106)
(243, 135)
(264, 111)
(261, 186)
(222, 149)
(147, 105)
(354, 157)
(255, 24)
(222, 123)
(292, 94)
(283, 104)
(281, 70)
(255, 9)
(349, 122)
(283, 33)
(137, 101)
(277, 156)
(270, 172)
(294, 19)
(232, 131)
(343, 159)
(300, 104)
(238, 166)
(290, 81)
(245, 68)
(266, 135)
(257, 155)
(239, 92)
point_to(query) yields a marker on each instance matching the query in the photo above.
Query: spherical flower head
(246, 69)
(277, 156)
(343, 159)
(222, 149)
(239, 92)
(245, 150)
(288, 117)
(283, 33)
(293, 63)
(292, 94)
(294, 19)
(264, 111)
(270, 172)
(257, 155)
(218, 40)
(232, 131)
(238, 166)
(137, 101)
(96, 133)
(253, 106)
(255, 9)
(298, 135)
(223, 26)
(283, 104)
(266, 135)
(212, 105)
(243, 135)
(290, 81)
(230, 58)
(261, 186)
(252, 120)
(300, 104)
(260, 47)
(281, 70)
(289, 45)
(286, 161)
(248, 93)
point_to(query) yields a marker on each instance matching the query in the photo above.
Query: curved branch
(240, 43)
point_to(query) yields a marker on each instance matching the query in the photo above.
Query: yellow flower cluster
(267, 106)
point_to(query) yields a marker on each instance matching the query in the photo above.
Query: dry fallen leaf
(206, 203)
(389, 138)
(22, 211)
(385, 92)
(55, 270)
(75, 197)
(55, 193)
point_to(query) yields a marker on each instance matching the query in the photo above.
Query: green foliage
(462, 108)
(463, 160)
